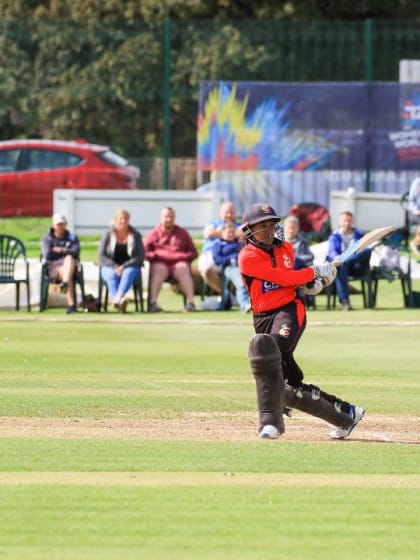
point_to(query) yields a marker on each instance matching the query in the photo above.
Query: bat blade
(363, 243)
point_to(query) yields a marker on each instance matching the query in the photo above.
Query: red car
(30, 170)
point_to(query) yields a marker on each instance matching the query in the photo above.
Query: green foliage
(106, 91)
(96, 70)
(156, 10)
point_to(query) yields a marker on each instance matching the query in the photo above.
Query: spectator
(415, 243)
(121, 255)
(60, 250)
(303, 255)
(225, 254)
(357, 266)
(170, 250)
(209, 271)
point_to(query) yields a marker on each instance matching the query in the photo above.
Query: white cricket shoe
(269, 432)
(356, 412)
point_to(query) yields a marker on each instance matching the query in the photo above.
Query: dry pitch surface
(210, 427)
(206, 427)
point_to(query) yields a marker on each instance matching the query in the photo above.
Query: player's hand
(326, 272)
(313, 288)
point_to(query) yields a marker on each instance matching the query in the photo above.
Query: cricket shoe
(269, 432)
(356, 412)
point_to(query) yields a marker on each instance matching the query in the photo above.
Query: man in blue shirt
(338, 241)
(225, 254)
(209, 271)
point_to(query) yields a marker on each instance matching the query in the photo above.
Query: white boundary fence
(370, 210)
(89, 212)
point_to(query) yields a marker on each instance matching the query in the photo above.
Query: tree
(95, 68)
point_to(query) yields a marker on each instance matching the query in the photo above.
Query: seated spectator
(303, 255)
(170, 250)
(209, 271)
(414, 201)
(357, 266)
(121, 255)
(415, 243)
(60, 250)
(225, 254)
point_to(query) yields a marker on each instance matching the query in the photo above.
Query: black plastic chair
(137, 287)
(12, 251)
(365, 291)
(78, 280)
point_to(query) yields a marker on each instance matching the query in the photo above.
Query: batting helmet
(259, 213)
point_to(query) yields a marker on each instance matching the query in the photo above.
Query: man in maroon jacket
(170, 251)
(267, 267)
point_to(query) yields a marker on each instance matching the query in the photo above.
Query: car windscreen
(113, 158)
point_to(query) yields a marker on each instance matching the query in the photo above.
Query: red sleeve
(257, 263)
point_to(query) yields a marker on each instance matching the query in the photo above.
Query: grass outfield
(135, 437)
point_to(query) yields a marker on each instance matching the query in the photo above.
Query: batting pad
(265, 361)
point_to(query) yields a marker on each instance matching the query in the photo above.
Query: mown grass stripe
(207, 479)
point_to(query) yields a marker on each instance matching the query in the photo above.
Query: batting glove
(326, 272)
(313, 288)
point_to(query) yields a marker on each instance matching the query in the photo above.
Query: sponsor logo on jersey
(269, 287)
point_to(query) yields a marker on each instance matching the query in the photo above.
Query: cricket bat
(363, 243)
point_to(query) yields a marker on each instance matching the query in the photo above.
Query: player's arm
(252, 265)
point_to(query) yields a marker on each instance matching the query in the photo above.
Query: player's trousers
(286, 325)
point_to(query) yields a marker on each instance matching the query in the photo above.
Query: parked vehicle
(30, 170)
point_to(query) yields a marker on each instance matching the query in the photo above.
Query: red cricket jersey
(270, 277)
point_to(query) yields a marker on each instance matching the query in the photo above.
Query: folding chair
(365, 290)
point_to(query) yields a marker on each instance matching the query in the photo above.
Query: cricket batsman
(267, 267)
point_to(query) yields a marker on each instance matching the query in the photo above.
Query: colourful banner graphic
(261, 126)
